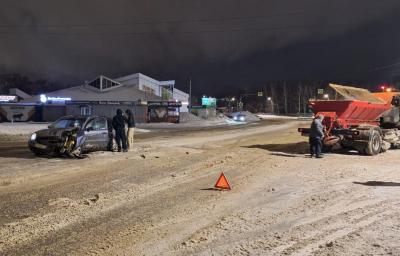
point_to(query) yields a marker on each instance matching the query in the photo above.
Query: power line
(384, 67)
(282, 28)
(181, 21)
(152, 22)
(370, 70)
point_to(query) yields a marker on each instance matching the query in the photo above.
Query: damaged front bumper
(68, 142)
(45, 145)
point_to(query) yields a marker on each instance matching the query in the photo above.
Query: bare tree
(285, 97)
(274, 99)
(299, 92)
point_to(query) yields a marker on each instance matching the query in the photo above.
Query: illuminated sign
(7, 98)
(58, 99)
(209, 102)
(44, 99)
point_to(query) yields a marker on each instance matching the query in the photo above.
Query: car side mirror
(89, 129)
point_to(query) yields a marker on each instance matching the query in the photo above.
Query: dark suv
(73, 135)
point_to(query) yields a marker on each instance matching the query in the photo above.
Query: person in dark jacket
(118, 124)
(316, 136)
(130, 121)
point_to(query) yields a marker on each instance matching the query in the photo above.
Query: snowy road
(157, 199)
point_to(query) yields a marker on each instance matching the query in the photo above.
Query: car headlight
(235, 118)
(242, 118)
(33, 136)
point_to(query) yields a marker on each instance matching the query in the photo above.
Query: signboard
(208, 102)
(173, 104)
(58, 98)
(7, 98)
(79, 102)
(17, 112)
(260, 94)
(320, 91)
(44, 99)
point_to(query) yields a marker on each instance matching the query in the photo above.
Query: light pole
(272, 104)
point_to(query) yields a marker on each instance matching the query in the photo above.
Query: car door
(96, 133)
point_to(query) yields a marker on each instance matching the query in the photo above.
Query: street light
(326, 96)
(233, 99)
(269, 99)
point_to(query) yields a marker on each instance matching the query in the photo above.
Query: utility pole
(190, 95)
(266, 100)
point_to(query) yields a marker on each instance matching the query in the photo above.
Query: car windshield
(67, 123)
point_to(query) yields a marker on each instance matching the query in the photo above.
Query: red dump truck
(360, 120)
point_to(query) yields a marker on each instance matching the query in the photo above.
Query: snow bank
(250, 117)
(188, 117)
(269, 116)
(188, 124)
(22, 128)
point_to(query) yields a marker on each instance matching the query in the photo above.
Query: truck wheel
(374, 144)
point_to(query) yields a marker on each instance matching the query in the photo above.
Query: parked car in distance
(73, 135)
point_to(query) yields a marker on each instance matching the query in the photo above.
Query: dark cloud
(219, 43)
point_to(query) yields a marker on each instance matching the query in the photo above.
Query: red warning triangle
(222, 182)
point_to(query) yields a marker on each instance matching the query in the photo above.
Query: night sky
(220, 44)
